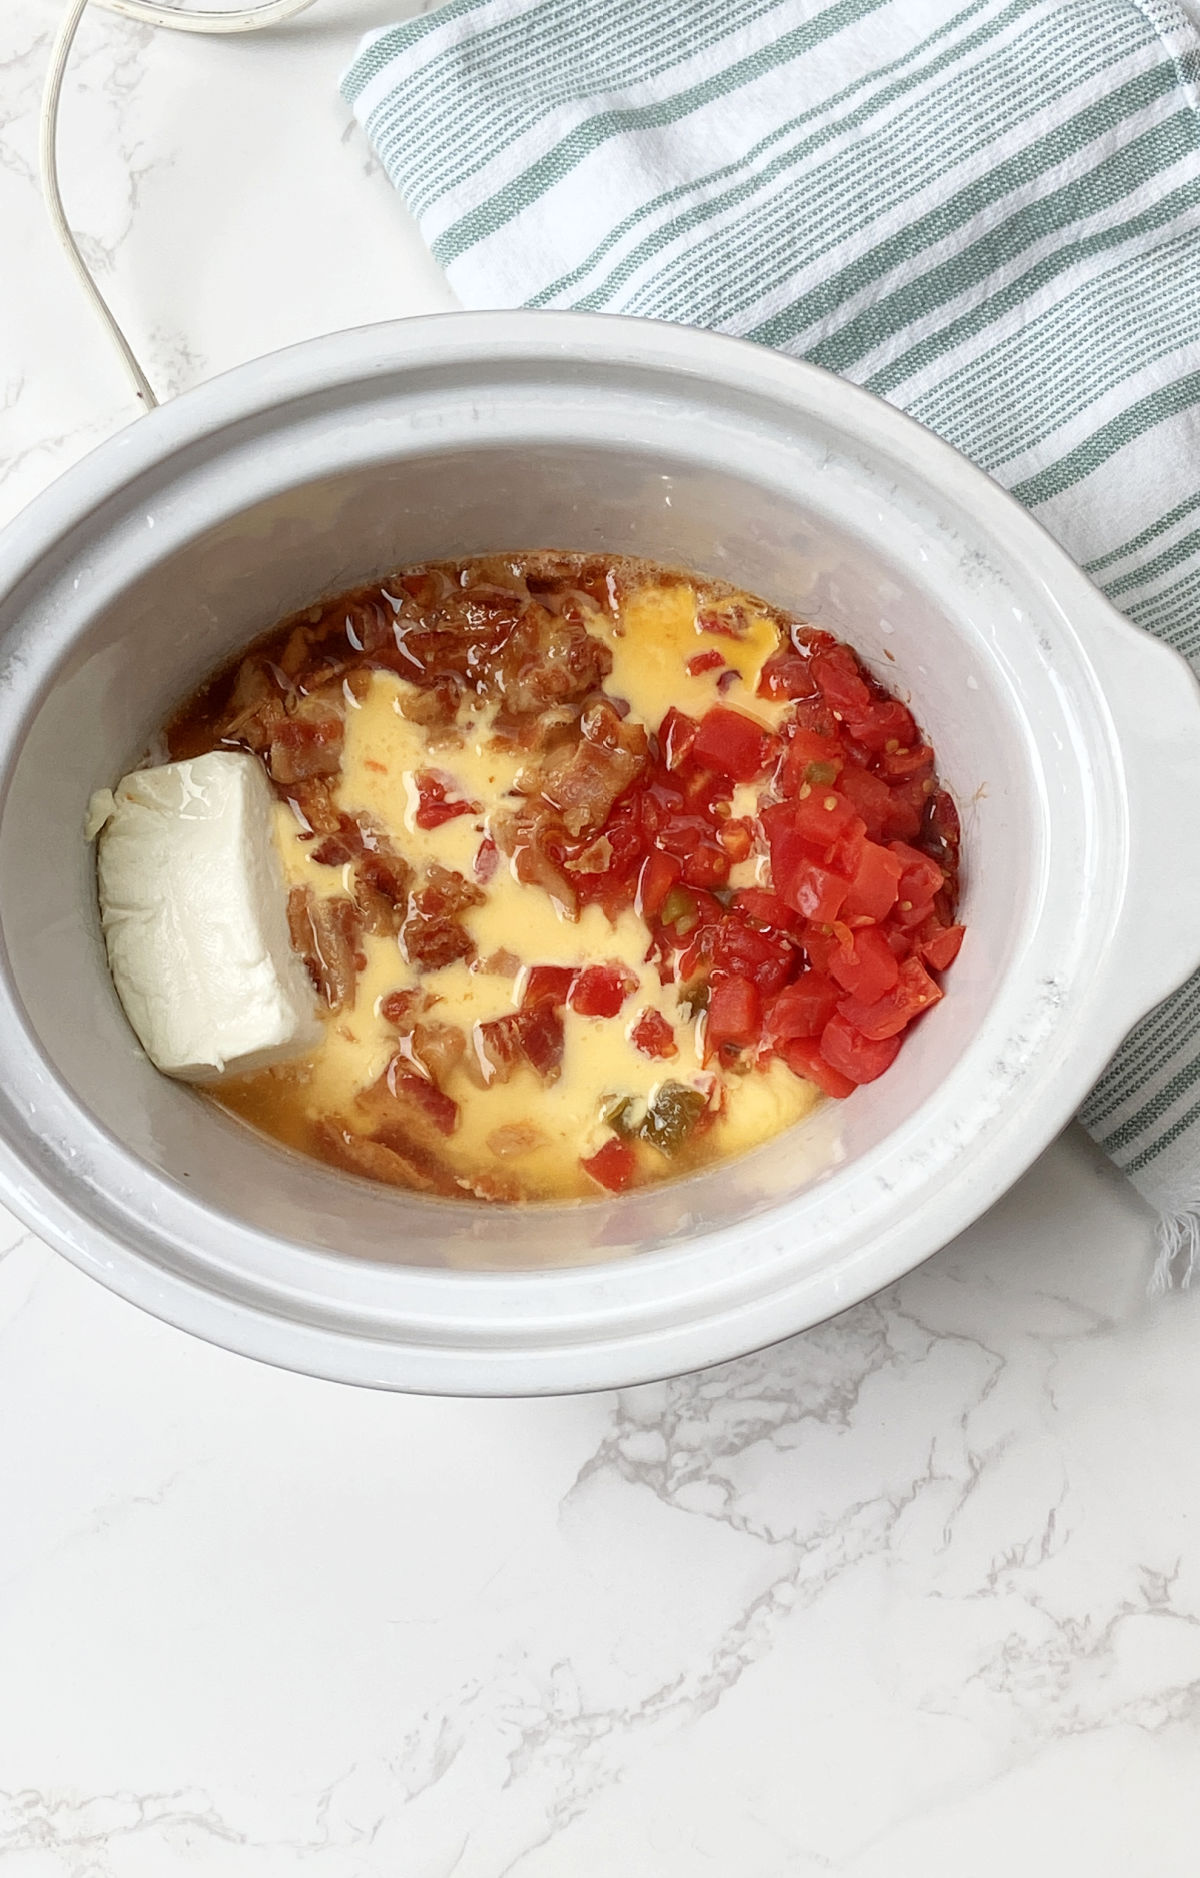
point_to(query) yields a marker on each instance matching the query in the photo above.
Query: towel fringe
(1178, 1261)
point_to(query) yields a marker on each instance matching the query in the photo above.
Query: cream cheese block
(193, 904)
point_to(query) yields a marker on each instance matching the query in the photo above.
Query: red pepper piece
(487, 859)
(709, 661)
(612, 1166)
(601, 990)
(653, 1035)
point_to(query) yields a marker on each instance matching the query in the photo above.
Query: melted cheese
(655, 636)
(384, 751)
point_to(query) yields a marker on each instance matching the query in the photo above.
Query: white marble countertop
(917, 1593)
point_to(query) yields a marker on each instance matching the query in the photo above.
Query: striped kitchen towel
(988, 213)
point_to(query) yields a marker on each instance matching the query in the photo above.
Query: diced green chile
(619, 1113)
(672, 1116)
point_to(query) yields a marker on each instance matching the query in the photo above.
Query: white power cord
(150, 13)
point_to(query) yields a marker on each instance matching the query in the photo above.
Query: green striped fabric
(988, 213)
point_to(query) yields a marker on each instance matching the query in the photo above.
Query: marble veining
(915, 1593)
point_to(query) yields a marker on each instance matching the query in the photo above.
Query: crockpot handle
(1155, 702)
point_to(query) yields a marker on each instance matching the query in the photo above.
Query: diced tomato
(803, 1057)
(734, 1014)
(676, 736)
(875, 884)
(901, 765)
(658, 875)
(737, 837)
(653, 1035)
(612, 1166)
(732, 743)
(819, 947)
(847, 850)
(767, 908)
(814, 714)
(682, 834)
(701, 787)
(940, 949)
(884, 721)
(601, 990)
(709, 661)
(854, 1056)
(885, 1017)
(818, 818)
(547, 984)
(810, 758)
(741, 951)
(814, 892)
(838, 676)
(801, 1009)
(707, 867)
(920, 877)
(906, 811)
(864, 965)
(433, 808)
(787, 675)
(871, 797)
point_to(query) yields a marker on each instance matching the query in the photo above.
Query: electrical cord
(149, 13)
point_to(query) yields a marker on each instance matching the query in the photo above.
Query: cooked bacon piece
(499, 964)
(345, 844)
(433, 934)
(305, 746)
(377, 1160)
(515, 1138)
(255, 710)
(401, 1007)
(498, 1048)
(434, 708)
(387, 872)
(435, 805)
(327, 933)
(497, 1189)
(313, 802)
(381, 876)
(402, 1099)
(532, 839)
(432, 1049)
(548, 659)
(584, 780)
(533, 1035)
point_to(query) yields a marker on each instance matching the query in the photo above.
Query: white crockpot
(1071, 743)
